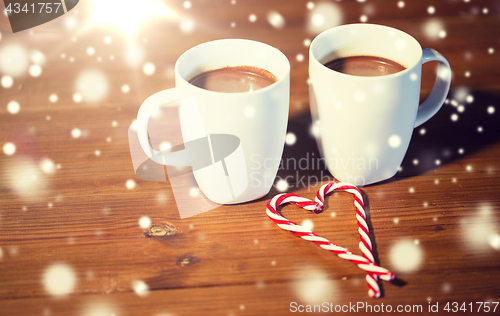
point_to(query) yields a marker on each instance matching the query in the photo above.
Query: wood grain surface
(71, 207)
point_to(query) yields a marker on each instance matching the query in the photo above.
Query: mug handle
(187, 108)
(441, 86)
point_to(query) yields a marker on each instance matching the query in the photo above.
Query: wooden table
(71, 207)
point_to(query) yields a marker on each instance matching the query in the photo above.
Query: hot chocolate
(365, 66)
(234, 79)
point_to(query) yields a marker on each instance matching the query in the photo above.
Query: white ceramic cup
(257, 118)
(362, 124)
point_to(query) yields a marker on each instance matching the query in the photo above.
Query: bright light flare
(127, 14)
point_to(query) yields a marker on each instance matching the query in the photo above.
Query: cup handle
(441, 86)
(169, 97)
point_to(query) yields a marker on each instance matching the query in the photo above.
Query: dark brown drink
(365, 66)
(234, 79)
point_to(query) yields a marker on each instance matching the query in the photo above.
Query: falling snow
(125, 88)
(47, 166)
(14, 59)
(77, 97)
(76, 133)
(187, 26)
(434, 29)
(290, 138)
(276, 19)
(70, 23)
(13, 107)
(130, 184)
(394, 141)
(59, 280)
(149, 68)
(406, 256)
(144, 222)
(134, 55)
(480, 230)
(322, 16)
(99, 309)
(140, 288)
(90, 51)
(9, 149)
(194, 192)
(281, 185)
(314, 286)
(7, 81)
(91, 86)
(307, 224)
(315, 129)
(35, 70)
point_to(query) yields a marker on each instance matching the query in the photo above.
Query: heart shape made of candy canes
(365, 262)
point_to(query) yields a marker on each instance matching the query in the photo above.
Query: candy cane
(365, 262)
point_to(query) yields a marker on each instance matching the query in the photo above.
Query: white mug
(228, 137)
(362, 124)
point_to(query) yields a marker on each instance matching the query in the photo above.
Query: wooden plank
(441, 211)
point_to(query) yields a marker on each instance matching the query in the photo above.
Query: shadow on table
(443, 139)
(457, 130)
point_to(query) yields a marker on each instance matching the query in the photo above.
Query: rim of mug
(407, 69)
(230, 94)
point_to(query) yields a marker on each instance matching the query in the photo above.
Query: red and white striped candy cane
(365, 262)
